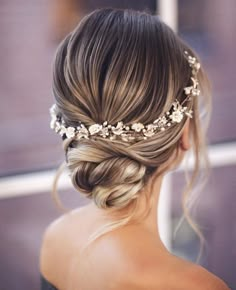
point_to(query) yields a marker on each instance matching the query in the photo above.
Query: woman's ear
(185, 139)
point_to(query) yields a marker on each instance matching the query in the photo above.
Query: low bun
(109, 180)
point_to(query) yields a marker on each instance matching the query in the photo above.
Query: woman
(127, 91)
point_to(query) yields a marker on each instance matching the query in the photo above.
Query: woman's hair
(123, 65)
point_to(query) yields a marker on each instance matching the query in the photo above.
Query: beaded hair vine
(136, 131)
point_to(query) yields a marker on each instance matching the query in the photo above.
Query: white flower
(62, 130)
(192, 89)
(195, 92)
(83, 132)
(57, 127)
(93, 129)
(105, 132)
(188, 90)
(137, 127)
(191, 59)
(163, 121)
(118, 129)
(149, 131)
(53, 110)
(53, 122)
(70, 132)
(176, 116)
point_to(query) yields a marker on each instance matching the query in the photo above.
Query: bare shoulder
(207, 280)
(50, 245)
(170, 272)
(56, 236)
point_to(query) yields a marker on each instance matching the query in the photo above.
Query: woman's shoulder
(131, 258)
(56, 244)
(154, 268)
(200, 278)
(176, 273)
(208, 281)
(56, 234)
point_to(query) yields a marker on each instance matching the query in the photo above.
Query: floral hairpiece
(136, 131)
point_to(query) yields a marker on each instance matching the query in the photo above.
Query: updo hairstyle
(123, 65)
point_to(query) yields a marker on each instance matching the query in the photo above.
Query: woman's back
(124, 259)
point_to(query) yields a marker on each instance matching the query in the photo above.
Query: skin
(132, 257)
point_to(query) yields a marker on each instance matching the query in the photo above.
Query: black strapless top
(46, 285)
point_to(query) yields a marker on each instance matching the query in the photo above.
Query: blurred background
(30, 152)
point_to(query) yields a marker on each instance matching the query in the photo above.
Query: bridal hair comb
(136, 131)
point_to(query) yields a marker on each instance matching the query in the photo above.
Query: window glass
(210, 31)
(26, 52)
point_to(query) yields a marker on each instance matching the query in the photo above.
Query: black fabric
(46, 285)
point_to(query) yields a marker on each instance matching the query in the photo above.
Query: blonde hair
(123, 65)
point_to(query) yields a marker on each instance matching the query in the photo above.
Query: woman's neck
(150, 222)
